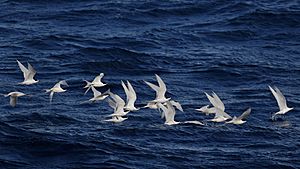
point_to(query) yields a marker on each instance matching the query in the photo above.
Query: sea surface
(234, 48)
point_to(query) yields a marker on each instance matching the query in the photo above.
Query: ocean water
(235, 48)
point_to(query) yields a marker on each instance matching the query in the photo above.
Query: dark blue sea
(234, 48)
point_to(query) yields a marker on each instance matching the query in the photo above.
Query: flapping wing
(112, 104)
(62, 82)
(96, 92)
(162, 87)
(51, 96)
(132, 91)
(170, 115)
(163, 108)
(126, 91)
(215, 101)
(211, 99)
(57, 85)
(221, 113)
(119, 101)
(245, 114)
(282, 104)
(132, 95)
(281, 101)
(218, 101)
(23, 69)
(153, 86)
(13, 101)
(177, 105)
(31, 72)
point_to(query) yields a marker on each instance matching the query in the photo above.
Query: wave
(265, 18)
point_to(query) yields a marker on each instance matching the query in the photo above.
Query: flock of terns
(166, 106)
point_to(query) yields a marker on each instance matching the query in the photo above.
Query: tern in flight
(281, 101)
(28, 74)
(160, 90)
(56, 89)
(14, 97)
(96, 82)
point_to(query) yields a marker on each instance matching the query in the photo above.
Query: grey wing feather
(95, 91)
(98, 78)
(13, 101)
(126, 91)
(177, 105)
(23, 69)
(162, 87)
(51, 96)
(245, 114)
(63, 82)
(219, 113)
(153, 86)
(31, 72)
(112, 104)
(218, 101)
(281, 96)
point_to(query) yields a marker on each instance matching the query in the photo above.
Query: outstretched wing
(119, 101)
(281, 101)
(13, 101)
(126, 90)
(221, 113)
(31, 72)
(170, 115)
(283, 104)
(162, 87)
(96, 92)
(177, 105)
(163, 108)
(245, 114)
(51, 96)
(218, 101)
(215, 101)
(112, 104)
(153, 86)
(23, 69)
(62, 82)
(130, 88)
(132, 95)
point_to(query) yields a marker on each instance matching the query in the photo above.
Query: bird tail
(88, 84)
